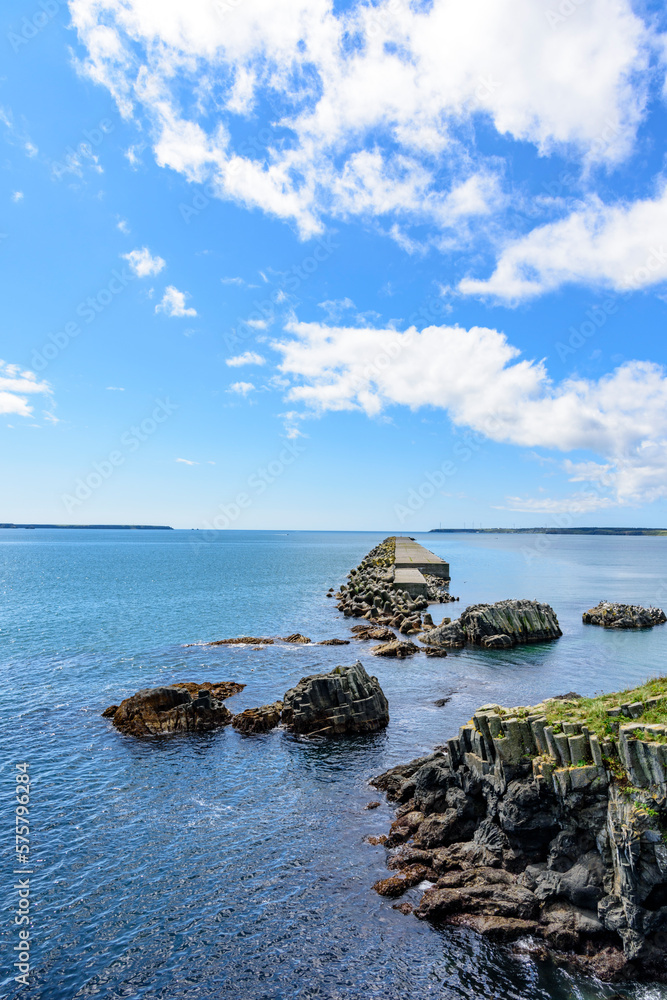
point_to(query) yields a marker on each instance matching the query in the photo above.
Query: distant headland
(551, 531)
(119, 527)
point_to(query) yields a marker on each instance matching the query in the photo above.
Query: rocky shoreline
(544, 823)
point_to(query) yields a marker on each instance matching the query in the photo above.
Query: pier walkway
(411, 561)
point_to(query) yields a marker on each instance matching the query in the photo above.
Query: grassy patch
(592, 712)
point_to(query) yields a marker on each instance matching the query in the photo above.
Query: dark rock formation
(258, 720)
(497, 626)
(398, 649)
(346, 700)
(377, 632)
(296, 637)
(610, 615)
(187, 707)
(543, 830)
(334, 642)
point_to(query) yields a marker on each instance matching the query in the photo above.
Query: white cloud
(257, 324)
(173, 303)
(115, 388)
(248, 358)
(16, 385)
(143, 263)
(17, 196)
(133, 154)
(242, 388)
(334, 308)
(372, 100)
(618, 246)
(479, 378)
(232, 281)
(123, 225)
(186, 461)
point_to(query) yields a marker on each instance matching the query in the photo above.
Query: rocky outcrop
(178, 708)
(623, 616)
(258, 720)
(297, 638)
(346, 700)
(396, 648)
(497, 626)
(531, 825)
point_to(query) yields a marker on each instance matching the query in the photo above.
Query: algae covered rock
(346, 700)
(177, 708)
(497, 626)
(623, 616)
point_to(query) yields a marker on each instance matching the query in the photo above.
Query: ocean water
(224, 865)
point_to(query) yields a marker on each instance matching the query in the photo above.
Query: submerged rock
(178, 708)
(346, 700)
(258, 720)
(623, 616)
(497, 626)
(244, 640)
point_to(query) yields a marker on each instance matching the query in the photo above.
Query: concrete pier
(411, 561)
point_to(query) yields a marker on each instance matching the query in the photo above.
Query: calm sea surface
(230, 866)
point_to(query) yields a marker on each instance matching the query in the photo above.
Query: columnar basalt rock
(531, 824)
(497, 626)
(346, 700)
(178, 708)
(623, 616)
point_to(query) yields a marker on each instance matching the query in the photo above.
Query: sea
(224, 865)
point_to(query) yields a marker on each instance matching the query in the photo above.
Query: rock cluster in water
(548, 832)
(610, 615)
(178, 708)
(346, 700)
(497, 626)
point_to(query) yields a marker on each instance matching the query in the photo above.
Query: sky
(294, 264)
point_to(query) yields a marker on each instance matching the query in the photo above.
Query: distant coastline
(119, 527)
(550, 531)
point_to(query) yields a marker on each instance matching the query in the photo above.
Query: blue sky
(302, 265)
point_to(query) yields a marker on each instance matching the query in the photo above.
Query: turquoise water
(233, 866)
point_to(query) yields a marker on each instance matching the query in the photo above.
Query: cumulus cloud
(16, 386)
(371, 100)
(242, 388)
(142, 261)
(618, 246)
(173, 303)
(482, 382)
(248, 358)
